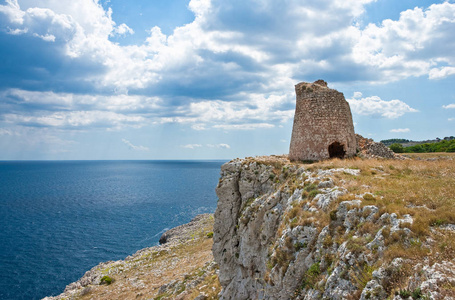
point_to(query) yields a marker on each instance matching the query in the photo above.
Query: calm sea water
(59, 219)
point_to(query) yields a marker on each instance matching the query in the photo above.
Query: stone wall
(322, 118)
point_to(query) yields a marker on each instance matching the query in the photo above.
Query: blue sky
(214, 79)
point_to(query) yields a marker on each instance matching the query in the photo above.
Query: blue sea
(58, 219)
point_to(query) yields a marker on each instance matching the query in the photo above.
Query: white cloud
(78, 120)
(134, 147)
(191, 146)
(452, 105)
(439, 73)
(414, 45)
(400, 130)
(317, 38)
(123, 29)
(222, 146)
(244, 126)
(194, 146)
(375, 106)
(357, 95)
(198, 127)
(451, 119)
(5, 132)
(251, 63)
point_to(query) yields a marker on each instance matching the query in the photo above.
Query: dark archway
(336, 150)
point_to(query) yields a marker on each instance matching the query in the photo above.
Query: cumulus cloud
(414, 45)
(258, 51)
(377, 107)
(448, 106)
(357, 95)
(218, 71)
(122, 29)
(451, 119)
(439, 73)
(400, 130)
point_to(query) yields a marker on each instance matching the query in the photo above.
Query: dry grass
(424, 189)
(151, 271)
(437, 155)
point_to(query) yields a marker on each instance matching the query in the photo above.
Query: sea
(58, 219)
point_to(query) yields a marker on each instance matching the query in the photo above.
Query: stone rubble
(367, 148)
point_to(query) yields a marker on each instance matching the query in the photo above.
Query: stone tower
(323, 125)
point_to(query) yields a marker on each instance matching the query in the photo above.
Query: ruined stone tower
(323, 125)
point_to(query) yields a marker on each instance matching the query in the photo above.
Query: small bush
(311, 276)
(417, 294)
(106, 280)
(404, 294)
(397, 148)
(210, 234)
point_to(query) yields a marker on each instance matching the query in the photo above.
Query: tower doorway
(336, 150)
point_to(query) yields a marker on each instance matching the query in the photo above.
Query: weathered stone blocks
(323, 126)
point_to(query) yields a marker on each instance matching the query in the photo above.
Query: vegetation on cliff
(182, 268)
(336, 229)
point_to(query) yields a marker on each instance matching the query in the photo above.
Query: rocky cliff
(336, 229)
(352, 229)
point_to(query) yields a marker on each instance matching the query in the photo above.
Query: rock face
(323, 126)
(281, 231)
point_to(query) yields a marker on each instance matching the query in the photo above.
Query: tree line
(442, 146)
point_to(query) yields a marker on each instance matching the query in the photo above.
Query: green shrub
(210, 234)
(311, 276)
(397, 148)
(106, 280)
(417, 294)
(404, 294)
(313, 194)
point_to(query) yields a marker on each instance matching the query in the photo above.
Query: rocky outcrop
(182, 268)
(291, 231)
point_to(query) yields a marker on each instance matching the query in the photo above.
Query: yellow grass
(424, 189)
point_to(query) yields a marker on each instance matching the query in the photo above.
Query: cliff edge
(338, 229)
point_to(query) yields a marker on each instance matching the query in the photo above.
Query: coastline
(185, 260)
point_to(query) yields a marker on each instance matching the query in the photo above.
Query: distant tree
(397, 148)
(393, 141)
(451, 148)
(442, 146)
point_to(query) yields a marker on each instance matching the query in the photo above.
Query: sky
(214, 79)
